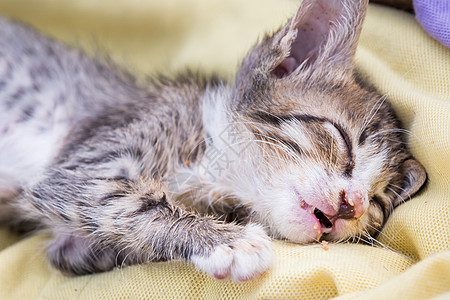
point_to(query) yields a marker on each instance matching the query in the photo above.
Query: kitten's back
(45, 89)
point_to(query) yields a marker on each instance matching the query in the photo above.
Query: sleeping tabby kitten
(120, 172)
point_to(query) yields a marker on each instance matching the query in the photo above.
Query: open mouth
(324, 221)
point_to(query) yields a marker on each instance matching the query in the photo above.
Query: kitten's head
(326, 157)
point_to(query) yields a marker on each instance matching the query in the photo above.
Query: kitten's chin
(344, 229)
(341, 230)
(303, 229)
(306, 228)
(309, 234)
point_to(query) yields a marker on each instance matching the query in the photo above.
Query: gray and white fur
(121, 172)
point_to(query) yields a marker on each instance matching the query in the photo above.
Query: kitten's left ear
(322, 34)
(319, 42)
(414, 177)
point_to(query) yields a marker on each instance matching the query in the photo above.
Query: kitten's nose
(351, 205)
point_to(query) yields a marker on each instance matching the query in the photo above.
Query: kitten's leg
(8, 192)
(10, 216)
(200, 198)
(135, 216)
(74, 254)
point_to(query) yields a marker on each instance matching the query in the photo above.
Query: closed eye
(350, 163)
(305, 118)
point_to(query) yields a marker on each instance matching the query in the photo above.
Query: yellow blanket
(411, 259)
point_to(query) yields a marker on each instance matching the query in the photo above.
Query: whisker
(372, 113)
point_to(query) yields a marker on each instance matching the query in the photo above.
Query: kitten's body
(117, 171)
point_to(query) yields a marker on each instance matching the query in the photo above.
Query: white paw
(247, 258)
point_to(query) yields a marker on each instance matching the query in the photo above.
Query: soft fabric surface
(434, 15)
(411, 259)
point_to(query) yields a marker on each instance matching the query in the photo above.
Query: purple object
(434, 16)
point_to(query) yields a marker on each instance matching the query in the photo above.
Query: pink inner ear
(313, 27)
(287, 66)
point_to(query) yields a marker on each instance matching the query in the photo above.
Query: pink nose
(351, 205)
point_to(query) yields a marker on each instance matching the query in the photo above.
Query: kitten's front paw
(246, 258)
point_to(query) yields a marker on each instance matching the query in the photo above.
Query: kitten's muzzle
(351, 207)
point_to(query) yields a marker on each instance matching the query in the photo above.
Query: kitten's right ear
(414, 177)
(320, 38)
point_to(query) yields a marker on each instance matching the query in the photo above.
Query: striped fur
(194, 168)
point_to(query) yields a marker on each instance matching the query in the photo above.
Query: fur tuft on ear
(414, 177)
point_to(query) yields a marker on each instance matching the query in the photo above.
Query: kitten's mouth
(323, 219)
(326, 223)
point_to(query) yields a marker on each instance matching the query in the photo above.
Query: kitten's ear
(414, 177)
(323, 34)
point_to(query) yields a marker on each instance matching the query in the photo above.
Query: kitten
(120, 173)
